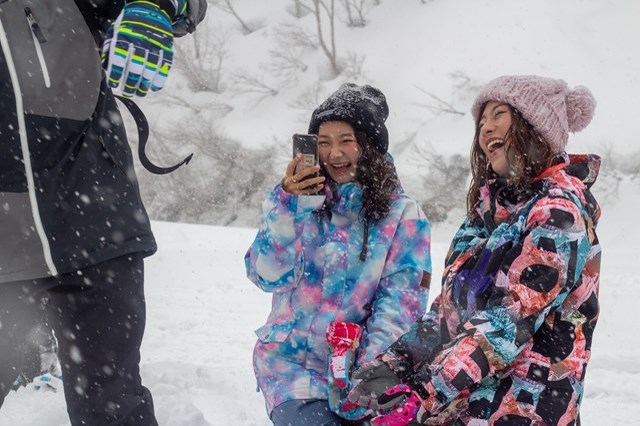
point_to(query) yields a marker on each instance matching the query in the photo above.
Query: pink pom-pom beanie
(549, 105)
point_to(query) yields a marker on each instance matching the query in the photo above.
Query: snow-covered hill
(428, 57)
(201, 308)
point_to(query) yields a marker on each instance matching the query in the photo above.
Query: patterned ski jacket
(68, 190)
(508, 340)
(307, 253)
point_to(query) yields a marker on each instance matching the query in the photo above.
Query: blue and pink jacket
(307, 253)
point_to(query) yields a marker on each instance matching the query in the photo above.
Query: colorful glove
(375, 379)
(398, 406)
(344, 338)
(137, 53)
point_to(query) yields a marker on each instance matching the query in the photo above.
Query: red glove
(344, 338)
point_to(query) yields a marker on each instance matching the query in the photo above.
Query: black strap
(143, 135)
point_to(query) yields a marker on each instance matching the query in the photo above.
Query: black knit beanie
(364, 107)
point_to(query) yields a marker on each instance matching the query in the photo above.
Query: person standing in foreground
(73, 228)
(508, 340)
(358, 253)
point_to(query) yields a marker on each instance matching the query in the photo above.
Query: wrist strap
(143, 136)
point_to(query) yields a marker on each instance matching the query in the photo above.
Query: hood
(344, 197)
(585, 167)
(574, 173)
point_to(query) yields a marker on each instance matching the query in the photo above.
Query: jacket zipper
(26, 155)
(38, 39)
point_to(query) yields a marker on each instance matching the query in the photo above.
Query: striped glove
(137, 53)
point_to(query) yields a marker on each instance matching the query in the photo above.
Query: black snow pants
(98, 316)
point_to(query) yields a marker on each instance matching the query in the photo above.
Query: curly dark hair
(528, 154)
(378, 178)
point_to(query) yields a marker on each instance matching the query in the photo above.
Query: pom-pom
(580, 107)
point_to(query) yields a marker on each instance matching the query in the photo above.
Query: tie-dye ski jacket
(307, 253)
(508, 340)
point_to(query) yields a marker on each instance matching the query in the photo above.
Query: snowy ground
(202, 312)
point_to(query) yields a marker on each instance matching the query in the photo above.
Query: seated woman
(357, 253)
(508, 340)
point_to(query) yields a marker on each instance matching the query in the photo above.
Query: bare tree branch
(357, 11)
(299, 9)
(308, 98)
(353, 66)
(328, 47)
(444, 182)
(205, 58)
(253, 85)
(227, 6)
(440, 107)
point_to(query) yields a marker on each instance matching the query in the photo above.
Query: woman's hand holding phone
(306, 181)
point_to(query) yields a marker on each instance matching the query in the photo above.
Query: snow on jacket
(308, 257)
(509, 338)
(68, 190)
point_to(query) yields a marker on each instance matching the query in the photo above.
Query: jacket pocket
(285, 342)
(58, 67)
(278, 333)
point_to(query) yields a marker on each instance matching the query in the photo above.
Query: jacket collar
(344, 197)
(499, 201)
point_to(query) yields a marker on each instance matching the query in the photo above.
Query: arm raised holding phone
(302, 176)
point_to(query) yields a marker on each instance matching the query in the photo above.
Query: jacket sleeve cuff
(186, 22)
(173, 8)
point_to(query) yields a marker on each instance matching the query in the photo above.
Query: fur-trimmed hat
(549, 105)
(364, 107)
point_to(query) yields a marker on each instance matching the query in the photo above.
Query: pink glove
(398, 406)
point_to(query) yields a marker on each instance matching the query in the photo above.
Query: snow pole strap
(143, 136)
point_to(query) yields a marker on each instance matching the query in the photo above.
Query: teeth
(340, 165)
(496, 143)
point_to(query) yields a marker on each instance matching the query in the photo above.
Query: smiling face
(338, 150)
(494, 126)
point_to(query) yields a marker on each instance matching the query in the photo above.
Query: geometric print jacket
(307, 254)
(508, 340)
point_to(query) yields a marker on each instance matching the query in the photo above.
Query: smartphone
(307, 145)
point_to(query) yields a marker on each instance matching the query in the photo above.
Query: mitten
(398, 406)
(343, 338)
(375, 379)
(137, 53)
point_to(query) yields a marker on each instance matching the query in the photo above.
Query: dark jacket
(509, 338)
(69, 197)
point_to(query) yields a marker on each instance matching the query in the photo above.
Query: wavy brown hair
(527, 152)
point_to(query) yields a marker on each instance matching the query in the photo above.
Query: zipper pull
(34, 25)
